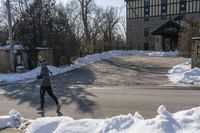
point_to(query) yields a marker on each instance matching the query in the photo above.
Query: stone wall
(195, 52)
(135, 33)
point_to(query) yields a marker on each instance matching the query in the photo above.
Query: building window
(146, 10)
(163, 7)
(151, 8)
(146, 2)
(164, 2)
(146, 31)
(183, 6)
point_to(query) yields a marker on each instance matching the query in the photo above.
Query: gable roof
(170, 24)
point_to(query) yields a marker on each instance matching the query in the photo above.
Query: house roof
(170, 27)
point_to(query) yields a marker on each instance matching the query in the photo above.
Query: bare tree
(111, 19)
(18, 7)
(122, 27)
(3, 16)
(85, 10)
(73, 13)
(12, 62)
(97, 23)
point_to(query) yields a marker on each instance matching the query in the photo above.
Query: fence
(4, 61)
(105, 48)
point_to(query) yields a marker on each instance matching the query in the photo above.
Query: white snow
(183, 73)
(187, 121)
(80, 62)
(13, 120)
(16, 47)
(170, 54)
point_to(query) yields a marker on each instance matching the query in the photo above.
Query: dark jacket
(45, 76)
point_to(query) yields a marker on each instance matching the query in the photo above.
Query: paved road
(102, 102)
(116, 86)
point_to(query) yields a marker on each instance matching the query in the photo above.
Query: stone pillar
(195, 52)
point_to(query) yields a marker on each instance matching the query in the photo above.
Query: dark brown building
(155, 24)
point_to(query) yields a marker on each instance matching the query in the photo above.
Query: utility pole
(12, 63)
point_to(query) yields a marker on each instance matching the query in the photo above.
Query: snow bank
(183, 73)
(16, 47)
(80, 62)
(170, 54)
(13, 120)
(181, 122)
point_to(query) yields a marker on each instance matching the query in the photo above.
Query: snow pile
(31, 74)
(16, 47)
(13, 120)
(170, 54)
(114, 53)
(80, 62)
(117, 124)
(182, 122)
(183, 73)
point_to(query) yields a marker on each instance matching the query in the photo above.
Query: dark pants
(43, 89)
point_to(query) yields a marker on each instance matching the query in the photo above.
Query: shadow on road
(82, 76)
(65, 87)
(141, 68)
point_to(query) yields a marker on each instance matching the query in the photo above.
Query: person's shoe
(40, 109)
(58, 108)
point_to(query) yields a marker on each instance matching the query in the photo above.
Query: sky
(104, 3)
(115, 3)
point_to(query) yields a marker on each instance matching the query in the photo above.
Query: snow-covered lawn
(80, 62)
(183, 73)
(187, 121)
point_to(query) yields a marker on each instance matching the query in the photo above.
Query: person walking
(46, 86)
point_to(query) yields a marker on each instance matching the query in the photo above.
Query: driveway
(125, 70)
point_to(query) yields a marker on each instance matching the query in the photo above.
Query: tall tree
(85, 11)
(44, 23)
(12, 62)
(111, 18)
(96, 25)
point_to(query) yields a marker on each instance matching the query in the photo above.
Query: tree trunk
(12, 62)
